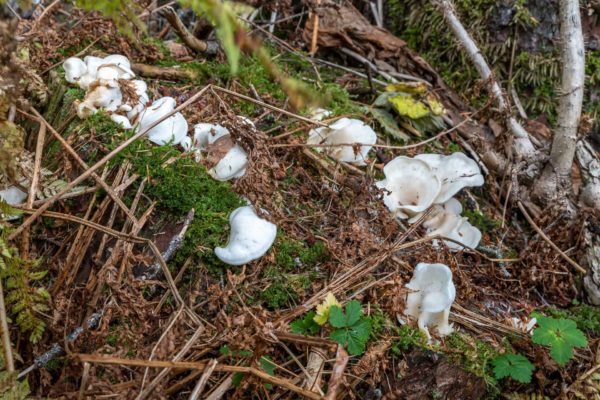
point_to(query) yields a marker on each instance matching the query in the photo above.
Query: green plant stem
(8, 357)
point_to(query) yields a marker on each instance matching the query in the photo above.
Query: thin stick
(101, 162)
(315, 31)
(75, 55)
(9, 362)
(37, 164)
(84, 379)
(335, 380)
(84, 165)
(568, 259)
(199, 388)
(99, 359)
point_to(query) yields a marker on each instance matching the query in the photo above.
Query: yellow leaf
(323, 309)
(436, 107)
(407, 87)
(406, 106)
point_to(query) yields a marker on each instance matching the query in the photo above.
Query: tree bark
(555, 182)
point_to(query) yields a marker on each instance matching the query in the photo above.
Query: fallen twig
(337, 374)
(197, 45)
(99, 359)
(9, 362)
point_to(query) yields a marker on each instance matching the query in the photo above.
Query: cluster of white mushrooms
(412, 186)
(107, 81)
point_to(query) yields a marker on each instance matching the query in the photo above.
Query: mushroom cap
(75, 68)
(346, 131)
(432, 287)
(13, 195)
(444, 218)
(250, 237)
(466, 234)
(455, 172)
(104, 97)
(232, 165)
(205, 134)
(92, 64)
(133, 110)
(121, 63)
(318, 114)
(412, 184)
(171, 130)
(121, 120)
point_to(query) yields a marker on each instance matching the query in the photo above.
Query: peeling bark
(522, 144)
(555, 181)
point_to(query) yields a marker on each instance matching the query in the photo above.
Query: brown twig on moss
(199, 46)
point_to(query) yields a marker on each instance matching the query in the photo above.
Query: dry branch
(199, 46)
(98, 359)
(523, 145)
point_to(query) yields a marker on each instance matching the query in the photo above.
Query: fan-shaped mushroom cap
(319, 114)
(232, 165)
(13, 195)
(171, 130)
(205, 134)
(250, 237)
(412, 186)
(466, 234)
(121, 63)
(345, 131)
(75, 68)
(432, 294)
(121, 120)
(455, 172)
(101, 97)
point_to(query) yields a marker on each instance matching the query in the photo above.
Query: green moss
(407, 338)
(291, 254)
(474, 356)
(480, 220)
(586, 317)
(283, 289)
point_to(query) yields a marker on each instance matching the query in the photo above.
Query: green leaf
(561, 335)
(353, 312)
(340, 336)
(513, 365)
(306, 325)
(267, 365)
(337, 319)
(388, 123)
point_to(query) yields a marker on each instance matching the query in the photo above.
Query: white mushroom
(233, 163)
(466, 234)
(121, 120)
(133, 110)
(345, 131)
(432, 294)
(410, 186)
(13, 195)
(103, 97)
(455, 172)
(319, 114)
(250, 237)
(121, 63)
(446, 221)
(172, 130)
(75, 68)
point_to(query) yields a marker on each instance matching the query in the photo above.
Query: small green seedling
(306, 326)
(561, 335)
(513, 365)
(353, 329)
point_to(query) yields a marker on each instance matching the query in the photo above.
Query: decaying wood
(200, 46)
(314, 367)
(165, 73)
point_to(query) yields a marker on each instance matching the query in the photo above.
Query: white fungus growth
(431, 296)
(172, 130)
(250, 237)
(345, 131)
(75, 68)
(410, 186)
(233, 163)
(101, 97)
(455, 172)
(445, 220)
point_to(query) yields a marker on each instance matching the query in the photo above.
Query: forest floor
(244, 331)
